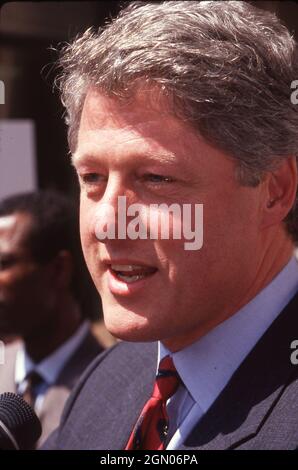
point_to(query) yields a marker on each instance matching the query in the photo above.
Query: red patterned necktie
(150, 431)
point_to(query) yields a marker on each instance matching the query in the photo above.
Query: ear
(61, 269)
(280, 192)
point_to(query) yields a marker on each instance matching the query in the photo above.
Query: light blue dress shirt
(207, 365)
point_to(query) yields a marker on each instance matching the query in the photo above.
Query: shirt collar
(207, 365)
(50, 367)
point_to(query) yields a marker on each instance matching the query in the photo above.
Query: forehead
(107, 124)
(14, 230)
(124, 135)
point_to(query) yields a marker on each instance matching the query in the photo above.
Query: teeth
(126, 267)
(130, 278)
(131, 272)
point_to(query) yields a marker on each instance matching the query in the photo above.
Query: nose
(110, 214)
(117, 185)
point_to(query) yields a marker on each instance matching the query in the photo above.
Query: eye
(91, 178)
(155, 178)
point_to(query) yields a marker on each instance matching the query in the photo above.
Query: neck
(63, 324)
(277, 252)
(275, 256)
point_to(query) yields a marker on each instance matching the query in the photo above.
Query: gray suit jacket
(56, 396)
(258, 409)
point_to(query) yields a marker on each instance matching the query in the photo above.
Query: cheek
(6, 287)
(15, 288)
(231, 219)
(88, 240)
(86, 225)
(11, 281)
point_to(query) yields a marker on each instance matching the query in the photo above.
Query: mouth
(131, 272)
(124, 279)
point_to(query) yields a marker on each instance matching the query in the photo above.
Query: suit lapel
(253, 391)
(143, 382)
(123, 407)
(118, 389)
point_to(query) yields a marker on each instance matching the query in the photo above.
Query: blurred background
(33, 147)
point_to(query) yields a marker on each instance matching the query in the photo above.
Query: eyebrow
(163, 157)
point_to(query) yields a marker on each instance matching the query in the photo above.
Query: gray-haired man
(188, 103)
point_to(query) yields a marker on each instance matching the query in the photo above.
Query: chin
(128, 326)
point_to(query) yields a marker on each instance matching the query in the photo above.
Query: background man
(41, 301)
(188, 102)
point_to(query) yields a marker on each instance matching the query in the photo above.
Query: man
(187, 103)
(41, 269)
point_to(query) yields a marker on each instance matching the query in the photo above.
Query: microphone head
(20, 419)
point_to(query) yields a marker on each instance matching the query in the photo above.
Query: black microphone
(19, 426)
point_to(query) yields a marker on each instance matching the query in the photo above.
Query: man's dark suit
(258, 409)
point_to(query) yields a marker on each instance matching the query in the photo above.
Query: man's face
(25, 297)
(151, 157)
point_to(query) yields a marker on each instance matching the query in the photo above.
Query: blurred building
(33, 146)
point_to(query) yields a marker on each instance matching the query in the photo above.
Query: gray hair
(224, 67)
